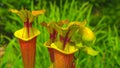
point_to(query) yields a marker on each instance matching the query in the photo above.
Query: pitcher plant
(27, 36)
(68, 38)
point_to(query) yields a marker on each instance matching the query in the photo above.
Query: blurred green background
(103, 18)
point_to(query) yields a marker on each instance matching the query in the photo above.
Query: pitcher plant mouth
(21, 34)
(70, 50)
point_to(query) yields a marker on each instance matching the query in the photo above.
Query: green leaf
(50, 26)
(79, 45)
(90, 51)
(60, 30)
(72, 27)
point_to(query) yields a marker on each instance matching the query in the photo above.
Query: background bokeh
(103, 18)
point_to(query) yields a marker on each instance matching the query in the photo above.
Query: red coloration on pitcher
(51, 52)
(63, 60)
(73, 65)
(28, 49)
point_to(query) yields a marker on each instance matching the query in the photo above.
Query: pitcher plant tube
(68, 38)
(27, 36)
